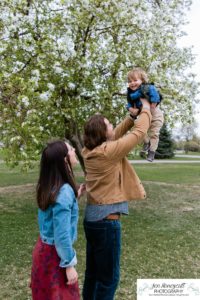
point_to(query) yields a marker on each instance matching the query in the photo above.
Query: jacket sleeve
(154, 96)
(128, 105)
(135, 94)
(123, 127)
(62, 227)
(116, 150)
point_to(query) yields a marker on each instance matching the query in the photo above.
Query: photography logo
(168, 289)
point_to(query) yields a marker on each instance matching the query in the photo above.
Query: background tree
(191, 143)
(165, 147)
(188, 130)
(192, 146)
(63, 60)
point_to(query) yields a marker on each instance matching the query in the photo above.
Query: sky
(192, 39)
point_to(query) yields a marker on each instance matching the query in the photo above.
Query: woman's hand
(145, 103)
(153, 107)
(81, 190)
(72, 275)
(133, 111)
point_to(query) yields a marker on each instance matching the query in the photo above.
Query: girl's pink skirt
(48, 280)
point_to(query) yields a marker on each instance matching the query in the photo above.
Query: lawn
(16, 177)
(170, 173)
(160, 237)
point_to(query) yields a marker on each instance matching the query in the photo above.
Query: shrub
(191, 146)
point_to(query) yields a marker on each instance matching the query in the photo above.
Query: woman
(110, 183)
(53, 273)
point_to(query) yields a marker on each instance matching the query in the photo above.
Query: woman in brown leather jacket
(110, 183)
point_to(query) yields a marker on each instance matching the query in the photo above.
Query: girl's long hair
(55, 170)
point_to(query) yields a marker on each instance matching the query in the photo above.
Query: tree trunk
(73, 135)
(77, 145)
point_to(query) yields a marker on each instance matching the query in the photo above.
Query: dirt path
(17, 188)
(171, 184)
(30, 187)
(167, 161)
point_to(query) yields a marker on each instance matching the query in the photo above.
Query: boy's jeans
(102, 259)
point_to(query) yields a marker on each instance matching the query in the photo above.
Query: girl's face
(72, 155)
(134, 83)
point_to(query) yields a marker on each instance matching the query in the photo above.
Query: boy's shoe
(150, 156)
(144, 150)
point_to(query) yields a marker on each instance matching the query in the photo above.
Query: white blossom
(31, 111)
(58, 69)
(25, 101)
(34, 81)
(45, 96)
(51, 86)
(15, 138)
(71, 85)
(24, 154)
(34, 139)
(36, 73)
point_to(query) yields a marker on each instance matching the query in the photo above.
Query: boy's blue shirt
(134, 96)
(58, 225)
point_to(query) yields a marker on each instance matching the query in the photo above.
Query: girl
(53, 275)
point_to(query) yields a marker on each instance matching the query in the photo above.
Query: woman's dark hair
(54, 172)
(95, 131)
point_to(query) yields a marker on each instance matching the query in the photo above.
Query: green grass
(170, 173)
(186, 158)
(160, 237)
(171, 159)
(137, 157)
(15, 176)
(192, 153)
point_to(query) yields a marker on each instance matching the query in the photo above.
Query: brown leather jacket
(109, 176)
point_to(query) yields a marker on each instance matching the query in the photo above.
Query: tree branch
(119, 94)
(26, 11)
(158, 2)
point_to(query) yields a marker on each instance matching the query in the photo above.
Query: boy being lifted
(138, 87)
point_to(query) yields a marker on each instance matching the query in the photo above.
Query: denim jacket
(58, 225)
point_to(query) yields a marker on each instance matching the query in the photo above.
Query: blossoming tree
(63, 60)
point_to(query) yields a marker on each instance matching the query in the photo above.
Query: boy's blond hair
(138, 73)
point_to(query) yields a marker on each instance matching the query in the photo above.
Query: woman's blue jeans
(102, 259)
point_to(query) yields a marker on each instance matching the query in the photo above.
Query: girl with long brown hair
(53, 273)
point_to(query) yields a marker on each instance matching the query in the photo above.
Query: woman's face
(109, 127)
(72, 155)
